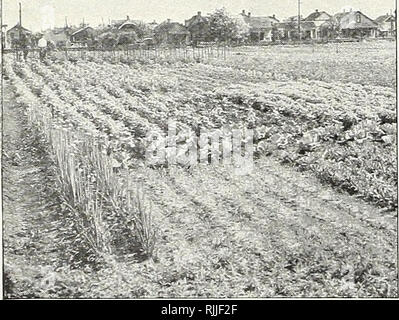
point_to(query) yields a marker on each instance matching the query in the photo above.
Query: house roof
(81, 29)
(347, 20)
(118, 23)
(198, 18)
(259, 22)
(292, 19)
(153, 25)
(171, 27)
(384, 18)
(17, 26)
(315, 15)
(287, 26)
(129, 23)
(290, 26)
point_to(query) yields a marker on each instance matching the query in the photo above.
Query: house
(308, 30)
(84, 35)
(115, 24)
(386, 25)
(59, 36)
(16, 33)
(352, 24)
(152, 25)
(171, 33)
(198, 26)
(287, 30)
(127, 25)
(318, 18)
(260, 28)
(309, 27)
(293, 19)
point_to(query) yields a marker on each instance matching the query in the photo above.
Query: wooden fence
(178, 53)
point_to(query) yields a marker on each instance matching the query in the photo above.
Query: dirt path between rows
(30, 212)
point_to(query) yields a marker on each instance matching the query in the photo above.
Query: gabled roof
(198, 18)
(17, 26)
(81, 29)
(118, 23)
(259, 22)
(130, 23)
(347, 20)
(385, 18)
(316, 15)
(292, 19)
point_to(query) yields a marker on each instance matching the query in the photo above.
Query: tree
(223, 27)
(127, 37)
(108, 40)
(275, 34)
(333, 27)
(143, 30)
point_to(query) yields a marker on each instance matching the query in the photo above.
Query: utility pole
(20, 20)
(66, 22)
(299, 20)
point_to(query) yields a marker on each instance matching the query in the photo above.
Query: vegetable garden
(317, 215)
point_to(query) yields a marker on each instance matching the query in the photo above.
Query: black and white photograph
(199, 149)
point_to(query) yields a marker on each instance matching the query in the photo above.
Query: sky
(38, 15)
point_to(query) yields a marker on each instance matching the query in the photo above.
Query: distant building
(287, 30)
(199, 29)
(152, 25)
(293, 19)
(15, 33)
(386, 25)
(260, 28)
(318, 18)
(354, 24)
(171, 33)
(84, 36)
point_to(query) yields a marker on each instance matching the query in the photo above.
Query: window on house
(358, 18)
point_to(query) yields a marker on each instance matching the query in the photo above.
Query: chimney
(274, 16)
(317, 10)
(243, 12)
(199, 13)
(127, 18)
(249, 14)
(168, 20)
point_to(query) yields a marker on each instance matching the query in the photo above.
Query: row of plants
(344, 134)
(104, 205)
